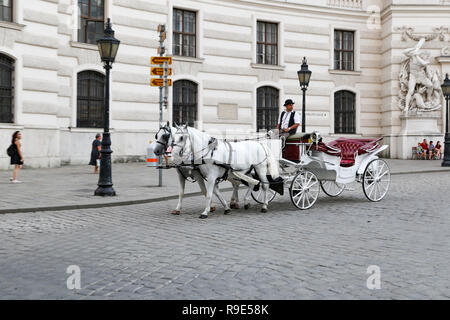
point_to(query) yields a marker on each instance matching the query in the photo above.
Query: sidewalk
(72, 187)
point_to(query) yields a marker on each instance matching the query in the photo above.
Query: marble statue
(420, 85)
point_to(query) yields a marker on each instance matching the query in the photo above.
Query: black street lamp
(107, 46)
(446, 90)
(304, 75)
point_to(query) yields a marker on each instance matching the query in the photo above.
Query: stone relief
(420, 85)
(445, 51)
(408, 32)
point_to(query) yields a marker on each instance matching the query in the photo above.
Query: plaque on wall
(227, 111)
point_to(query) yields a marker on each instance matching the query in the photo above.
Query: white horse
(164, 139)
(217, 159)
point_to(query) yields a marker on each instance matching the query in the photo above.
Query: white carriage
(308, 165)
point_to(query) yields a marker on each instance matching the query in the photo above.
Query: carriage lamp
(446, 91)
(108, 47)
(304, 75)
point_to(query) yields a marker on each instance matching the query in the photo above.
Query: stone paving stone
(75, 185)
(143, 252)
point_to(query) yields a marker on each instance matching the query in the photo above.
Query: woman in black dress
(95, 153)
(17, 157)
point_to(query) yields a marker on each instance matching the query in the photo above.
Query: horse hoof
(263, 210)
(176, 212)
(228, 211)
(247, 206)
(203, 216)
(212, 209)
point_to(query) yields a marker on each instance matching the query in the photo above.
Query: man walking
(289, 120)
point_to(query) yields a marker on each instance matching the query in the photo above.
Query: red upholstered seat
(348, 148)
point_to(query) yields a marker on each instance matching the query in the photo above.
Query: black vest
(291, 122)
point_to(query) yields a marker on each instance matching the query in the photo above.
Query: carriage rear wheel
(376, 180)
(258, 195)
(332, 188)
(304, 190)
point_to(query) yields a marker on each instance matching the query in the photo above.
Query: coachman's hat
(288, 102)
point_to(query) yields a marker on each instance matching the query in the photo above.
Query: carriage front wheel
(258, 196)
(376, 180)
(332, 188)
(304, 190)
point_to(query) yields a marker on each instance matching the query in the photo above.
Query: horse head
(181, 144)
(163, 137)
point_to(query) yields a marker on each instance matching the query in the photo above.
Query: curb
(144, 201)
(102, 205)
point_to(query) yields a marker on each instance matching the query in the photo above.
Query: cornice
(298, 7)
(415, 8)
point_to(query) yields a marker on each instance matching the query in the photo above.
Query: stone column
(444, 61)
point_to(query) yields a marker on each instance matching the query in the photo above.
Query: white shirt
(287, 117)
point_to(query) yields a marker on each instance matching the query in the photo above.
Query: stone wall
(43, 41)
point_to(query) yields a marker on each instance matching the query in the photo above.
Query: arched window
(6, 89)
(267, 108)
(344, 112)
(90, 99)
(185, 102)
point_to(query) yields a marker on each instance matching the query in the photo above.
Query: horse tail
(272, 164)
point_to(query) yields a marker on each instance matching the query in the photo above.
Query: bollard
(152, 158)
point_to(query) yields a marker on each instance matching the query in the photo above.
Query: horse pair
(208, 161)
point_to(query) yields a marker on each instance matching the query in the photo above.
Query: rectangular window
(6, 10)
(344, 50)
(267, 43)
(92, 18)
(184, 33)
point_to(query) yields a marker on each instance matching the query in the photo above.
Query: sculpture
(420, 86)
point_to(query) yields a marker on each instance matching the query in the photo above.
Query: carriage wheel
(376, 180)
(258, 195)
(332, 188)
(305, 189)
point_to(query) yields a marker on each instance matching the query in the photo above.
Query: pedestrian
(424, 145)
(420, 152)
(438, 149)
(289, 120)
(17, 159)
(95, 153)
(431, 149)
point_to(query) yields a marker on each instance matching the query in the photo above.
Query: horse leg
(221, 199)
(262, 174)
(247, 197)
(182, 185)
(234, 202)
(210, 185)
(201, 184)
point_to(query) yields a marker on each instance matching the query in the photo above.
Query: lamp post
(108, 46)
(446, 92)
(304, 75)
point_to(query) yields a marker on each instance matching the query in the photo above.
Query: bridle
(165, 137)
(185, 136)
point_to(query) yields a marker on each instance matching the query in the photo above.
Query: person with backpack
(289, 120)
(15, 152)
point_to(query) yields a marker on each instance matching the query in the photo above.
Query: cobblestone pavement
(75, 185)
(143, 252)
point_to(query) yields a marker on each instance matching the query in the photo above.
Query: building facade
(235, 62)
